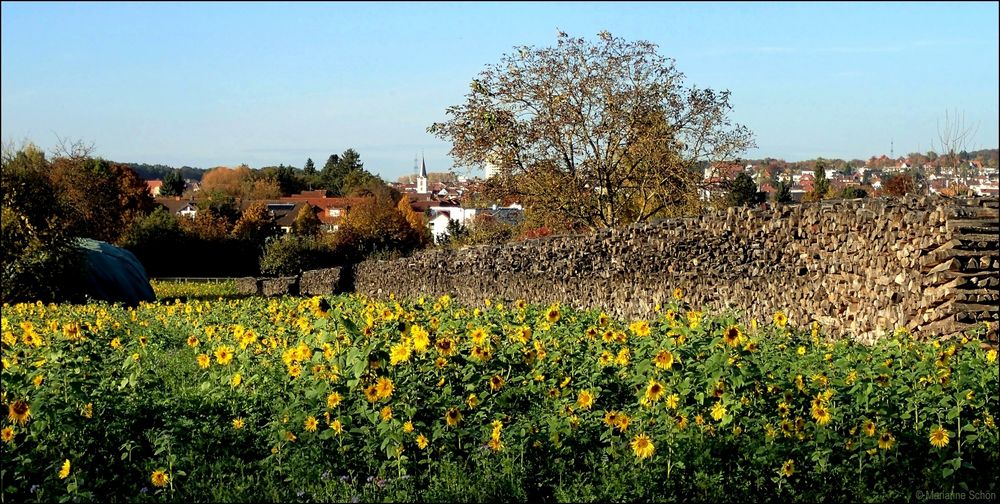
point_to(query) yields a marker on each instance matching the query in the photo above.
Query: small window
(333, 212)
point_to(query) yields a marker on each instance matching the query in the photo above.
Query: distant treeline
(158, 171)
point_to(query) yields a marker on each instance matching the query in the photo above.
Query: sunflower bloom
(160, 478)
(939, 437)
(718, 411)
(732, 335)
(642, 446)
(552, 314)
(422, 441)
(821, 414)
(585, 400)
(310, 424)
(452, 417)
(886, 440)
(19, 411)
(869, 428)
(654, 391)
(204, 361)
(400, 353)
(7, 434)
(238, 423)
(664, 359)
(788, 468)
(64, 471)
(384, 388)
(224, 355)
(780, 319)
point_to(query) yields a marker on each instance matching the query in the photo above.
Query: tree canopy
(596, 133)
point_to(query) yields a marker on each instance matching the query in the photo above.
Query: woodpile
(862, 268)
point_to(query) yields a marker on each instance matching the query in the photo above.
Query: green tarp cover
(113, 274)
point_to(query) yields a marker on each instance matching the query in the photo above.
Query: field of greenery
(354, 399)
(187, 291)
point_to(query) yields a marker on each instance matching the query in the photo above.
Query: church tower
(422, 177)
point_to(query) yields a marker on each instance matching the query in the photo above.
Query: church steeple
(422, 177)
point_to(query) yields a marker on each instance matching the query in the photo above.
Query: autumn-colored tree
(206, 226)
(375, 225)
(416, 220)
(229, 181)
(104, 198)
(255, 225)
(306, 222)
(899, 185)
(598, 134)
(260, 189)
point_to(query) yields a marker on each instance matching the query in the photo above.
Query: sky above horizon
(265, 83)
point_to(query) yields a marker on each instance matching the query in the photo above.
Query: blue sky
(266, 83)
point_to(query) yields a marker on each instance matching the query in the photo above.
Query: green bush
(291, 255)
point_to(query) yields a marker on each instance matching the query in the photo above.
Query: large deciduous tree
(595, 133)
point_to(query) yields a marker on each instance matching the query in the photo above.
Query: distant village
(444, 197)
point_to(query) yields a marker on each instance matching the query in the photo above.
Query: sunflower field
(347, 398)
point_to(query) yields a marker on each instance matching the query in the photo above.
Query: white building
(442, 215)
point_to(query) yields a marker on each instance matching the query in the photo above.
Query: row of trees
(342, 175)
(47, 204)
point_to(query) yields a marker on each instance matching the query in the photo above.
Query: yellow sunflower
(422, 441)
(788, 468)
(585, 399)
(886, 440)
(18, 411)
(384, 388)
(780, 319)
(160, 478)
(400, 353)
(654, 391)
(664, 359)
(718, 411)
(939, 437)
(452, 417)
(496, 382)
(7, 434)
(445, 346)
(224, 355)
(310, 424)
(238, 423)
(821, 414)
(552, 314)
(64, 470)
(869, 428)
(642, 446)
(732, 335)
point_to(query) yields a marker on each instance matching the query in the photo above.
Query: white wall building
(442, 215)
